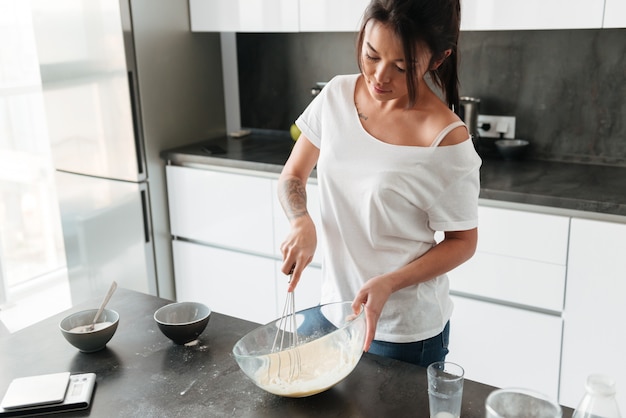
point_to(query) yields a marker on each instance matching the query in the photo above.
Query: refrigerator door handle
(134, 108)
(146, 223)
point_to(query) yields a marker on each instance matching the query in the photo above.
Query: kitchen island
(141, 373)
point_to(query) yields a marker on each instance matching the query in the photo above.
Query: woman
(394, 165)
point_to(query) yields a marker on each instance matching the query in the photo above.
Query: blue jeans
(421, 353)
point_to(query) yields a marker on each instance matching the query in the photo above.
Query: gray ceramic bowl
(182, 322)
(91, 341)
(512, 149)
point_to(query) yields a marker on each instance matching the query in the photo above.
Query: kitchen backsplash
(566, 88)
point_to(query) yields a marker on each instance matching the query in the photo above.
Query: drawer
(221, 209)
(229, 282)
(506, 347)
(514, 280)
(526, 235)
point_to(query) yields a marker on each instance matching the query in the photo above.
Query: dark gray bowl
(96, 340)
(182, 322)
(512, 149)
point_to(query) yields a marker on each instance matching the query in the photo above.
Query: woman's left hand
(373, 295)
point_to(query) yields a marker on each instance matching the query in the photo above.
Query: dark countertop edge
(558, 205)
(250, 155)
(224, 163)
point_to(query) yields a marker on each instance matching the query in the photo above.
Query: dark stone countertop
(590, 189)
(141, 373)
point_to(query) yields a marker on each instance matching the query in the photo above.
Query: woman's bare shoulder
(457, 134)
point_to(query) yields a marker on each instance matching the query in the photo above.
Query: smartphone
(49, 393)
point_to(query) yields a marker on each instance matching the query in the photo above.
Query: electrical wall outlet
(492, 126)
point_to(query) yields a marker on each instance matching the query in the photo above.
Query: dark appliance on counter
(122, 80)
(468, 112)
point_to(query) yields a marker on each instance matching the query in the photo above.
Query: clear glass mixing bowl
(330, 344)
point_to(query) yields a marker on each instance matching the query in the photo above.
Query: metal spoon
(91, 326)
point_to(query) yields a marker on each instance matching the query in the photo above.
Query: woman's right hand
(298, 249)
(299, 246)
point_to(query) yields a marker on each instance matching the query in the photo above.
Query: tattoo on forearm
(293, 198)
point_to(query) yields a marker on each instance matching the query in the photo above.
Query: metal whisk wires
(286, 340)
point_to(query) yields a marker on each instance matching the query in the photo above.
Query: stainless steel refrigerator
(122, 80)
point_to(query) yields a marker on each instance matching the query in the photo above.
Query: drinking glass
(445, 389)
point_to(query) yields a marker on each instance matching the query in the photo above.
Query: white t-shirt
(381, 205)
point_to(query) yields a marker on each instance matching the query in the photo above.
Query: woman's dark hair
(434, 23)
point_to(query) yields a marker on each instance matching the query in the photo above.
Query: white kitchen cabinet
(506, 327)
(331, 15)
(281, 223)
(227, 228)
(221, 209)
(229, 282)
(505, 346)
(531, 14)
(594, 340)
(520, 259)
(276, 15)
(244, 15)
(615, 14)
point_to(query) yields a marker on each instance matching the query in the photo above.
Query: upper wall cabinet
(331, 15)
(276, 15)
(533, 14)
(244, 15)
(345, 15)
(615, 14)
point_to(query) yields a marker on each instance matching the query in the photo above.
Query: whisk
(286, 339)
